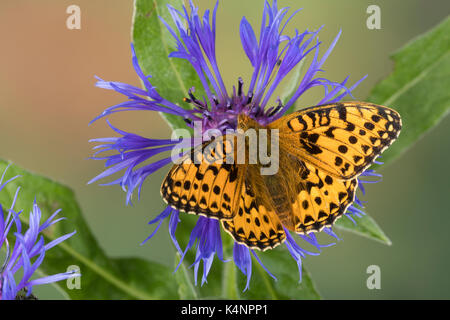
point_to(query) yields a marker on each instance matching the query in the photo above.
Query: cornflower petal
(28, 251)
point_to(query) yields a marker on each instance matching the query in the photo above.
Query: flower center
(224, 115)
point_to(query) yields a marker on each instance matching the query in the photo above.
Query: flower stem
(229, 279)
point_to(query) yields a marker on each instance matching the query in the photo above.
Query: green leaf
(290, 90)
(280, 263)
(102, 277)
(418, 88)
(153, 43)
(365, 226)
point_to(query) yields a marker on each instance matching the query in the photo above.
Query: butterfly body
(322, 150)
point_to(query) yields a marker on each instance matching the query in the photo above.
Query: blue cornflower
(22, 247)
(273, 56)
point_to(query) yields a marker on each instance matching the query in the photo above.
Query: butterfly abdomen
(279, 195)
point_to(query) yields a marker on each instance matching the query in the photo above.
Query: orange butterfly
(322, 150)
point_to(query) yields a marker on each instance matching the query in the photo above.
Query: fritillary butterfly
(322, 150)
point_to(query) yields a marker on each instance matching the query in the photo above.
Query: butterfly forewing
(204, 182)
(341, 139)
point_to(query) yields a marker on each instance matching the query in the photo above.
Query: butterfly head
(246, 122)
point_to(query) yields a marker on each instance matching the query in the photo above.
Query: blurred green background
(47, 98)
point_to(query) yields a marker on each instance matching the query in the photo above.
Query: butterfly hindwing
(205, 186)
(341, 139)
(320, 199)
(256, 223)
